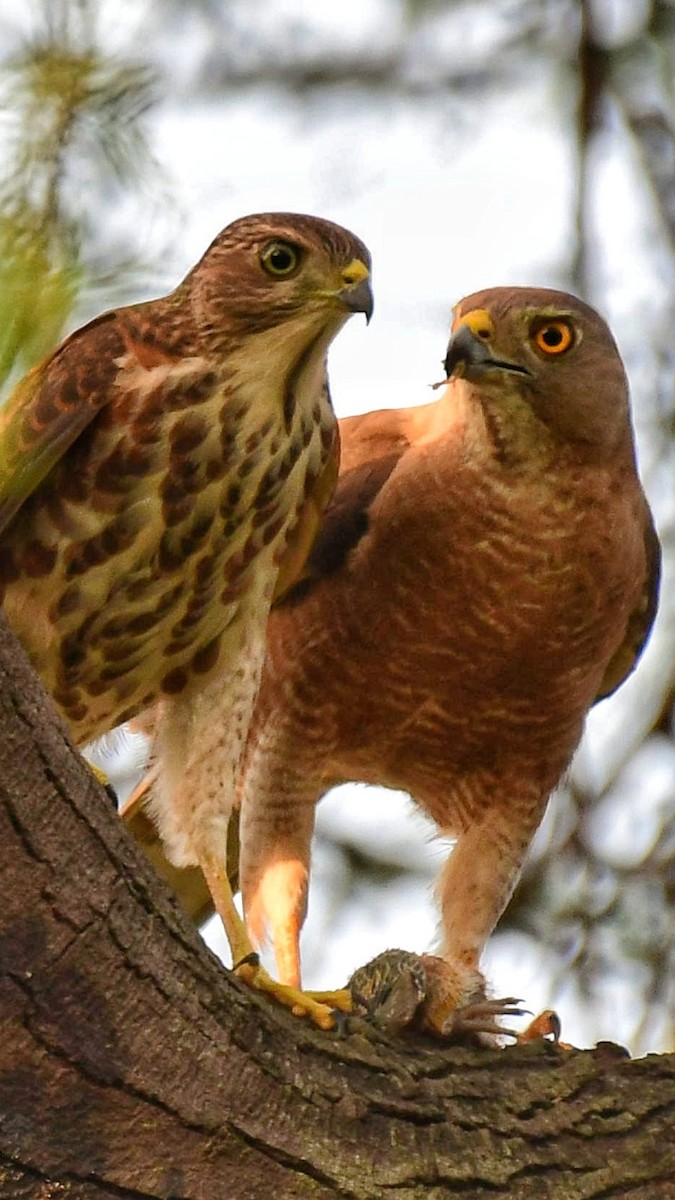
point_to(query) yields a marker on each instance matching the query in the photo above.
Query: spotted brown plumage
(162, 477)
(486, 571)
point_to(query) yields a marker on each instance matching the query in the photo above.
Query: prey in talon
(399, 990)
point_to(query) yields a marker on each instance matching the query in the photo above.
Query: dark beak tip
(451, 362)
(359, 299)
(463, 347)
(367, 306)
(467, 351)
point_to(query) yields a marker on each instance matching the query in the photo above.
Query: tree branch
(133, 1065)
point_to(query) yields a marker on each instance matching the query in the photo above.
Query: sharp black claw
(556, 1028)
(341, 1018)
(249, 960)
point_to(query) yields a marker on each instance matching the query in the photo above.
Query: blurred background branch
(73, 122)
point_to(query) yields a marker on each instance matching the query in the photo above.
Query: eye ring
(280, 259)
(554, 336)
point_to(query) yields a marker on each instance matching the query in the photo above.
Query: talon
(301, 1004)
(246, 968)
(482, 1016)
(252, 959)
(101, 777)
(341, 1022)
(545, 1026)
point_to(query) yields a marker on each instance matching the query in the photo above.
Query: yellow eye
(280, 259)
(554, 336)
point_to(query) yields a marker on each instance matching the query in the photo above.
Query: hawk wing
(294, 558)
(639, 626)
(374, 444)
(52, 406)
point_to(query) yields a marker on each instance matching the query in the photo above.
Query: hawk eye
(553, 336)
(280, 259)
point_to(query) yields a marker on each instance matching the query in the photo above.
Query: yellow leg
(99, 774)
(286, 937)
(245, 959)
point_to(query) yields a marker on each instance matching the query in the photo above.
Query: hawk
(162, 478)
(486, 571)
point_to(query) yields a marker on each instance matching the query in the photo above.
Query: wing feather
(294, 559)
(53, 405)
(639, 626)
(374, 445)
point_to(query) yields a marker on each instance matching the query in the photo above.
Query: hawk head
(547, 351)
(272, 270)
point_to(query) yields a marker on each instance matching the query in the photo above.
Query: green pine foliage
(73, 127)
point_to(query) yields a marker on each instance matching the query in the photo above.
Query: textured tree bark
(132, 1065)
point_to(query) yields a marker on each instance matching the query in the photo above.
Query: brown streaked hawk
(486, 571)
(162, 477)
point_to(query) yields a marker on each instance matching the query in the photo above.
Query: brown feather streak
(345, 523)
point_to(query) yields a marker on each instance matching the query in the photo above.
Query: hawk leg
(474, 889)
(318, 1006)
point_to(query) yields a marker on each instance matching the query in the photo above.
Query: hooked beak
(468, 354)
(358, 298)
(357, 293)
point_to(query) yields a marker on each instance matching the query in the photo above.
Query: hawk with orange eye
(487, 570)
(554, 337)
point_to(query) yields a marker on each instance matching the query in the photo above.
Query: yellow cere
(354, 272)
(479, 322)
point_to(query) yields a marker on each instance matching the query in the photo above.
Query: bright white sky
(443, 214)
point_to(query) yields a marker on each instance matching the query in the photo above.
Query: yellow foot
(341, 999)
(318, 1006)
(98, 773)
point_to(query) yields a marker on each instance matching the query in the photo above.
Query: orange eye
(554, 336)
